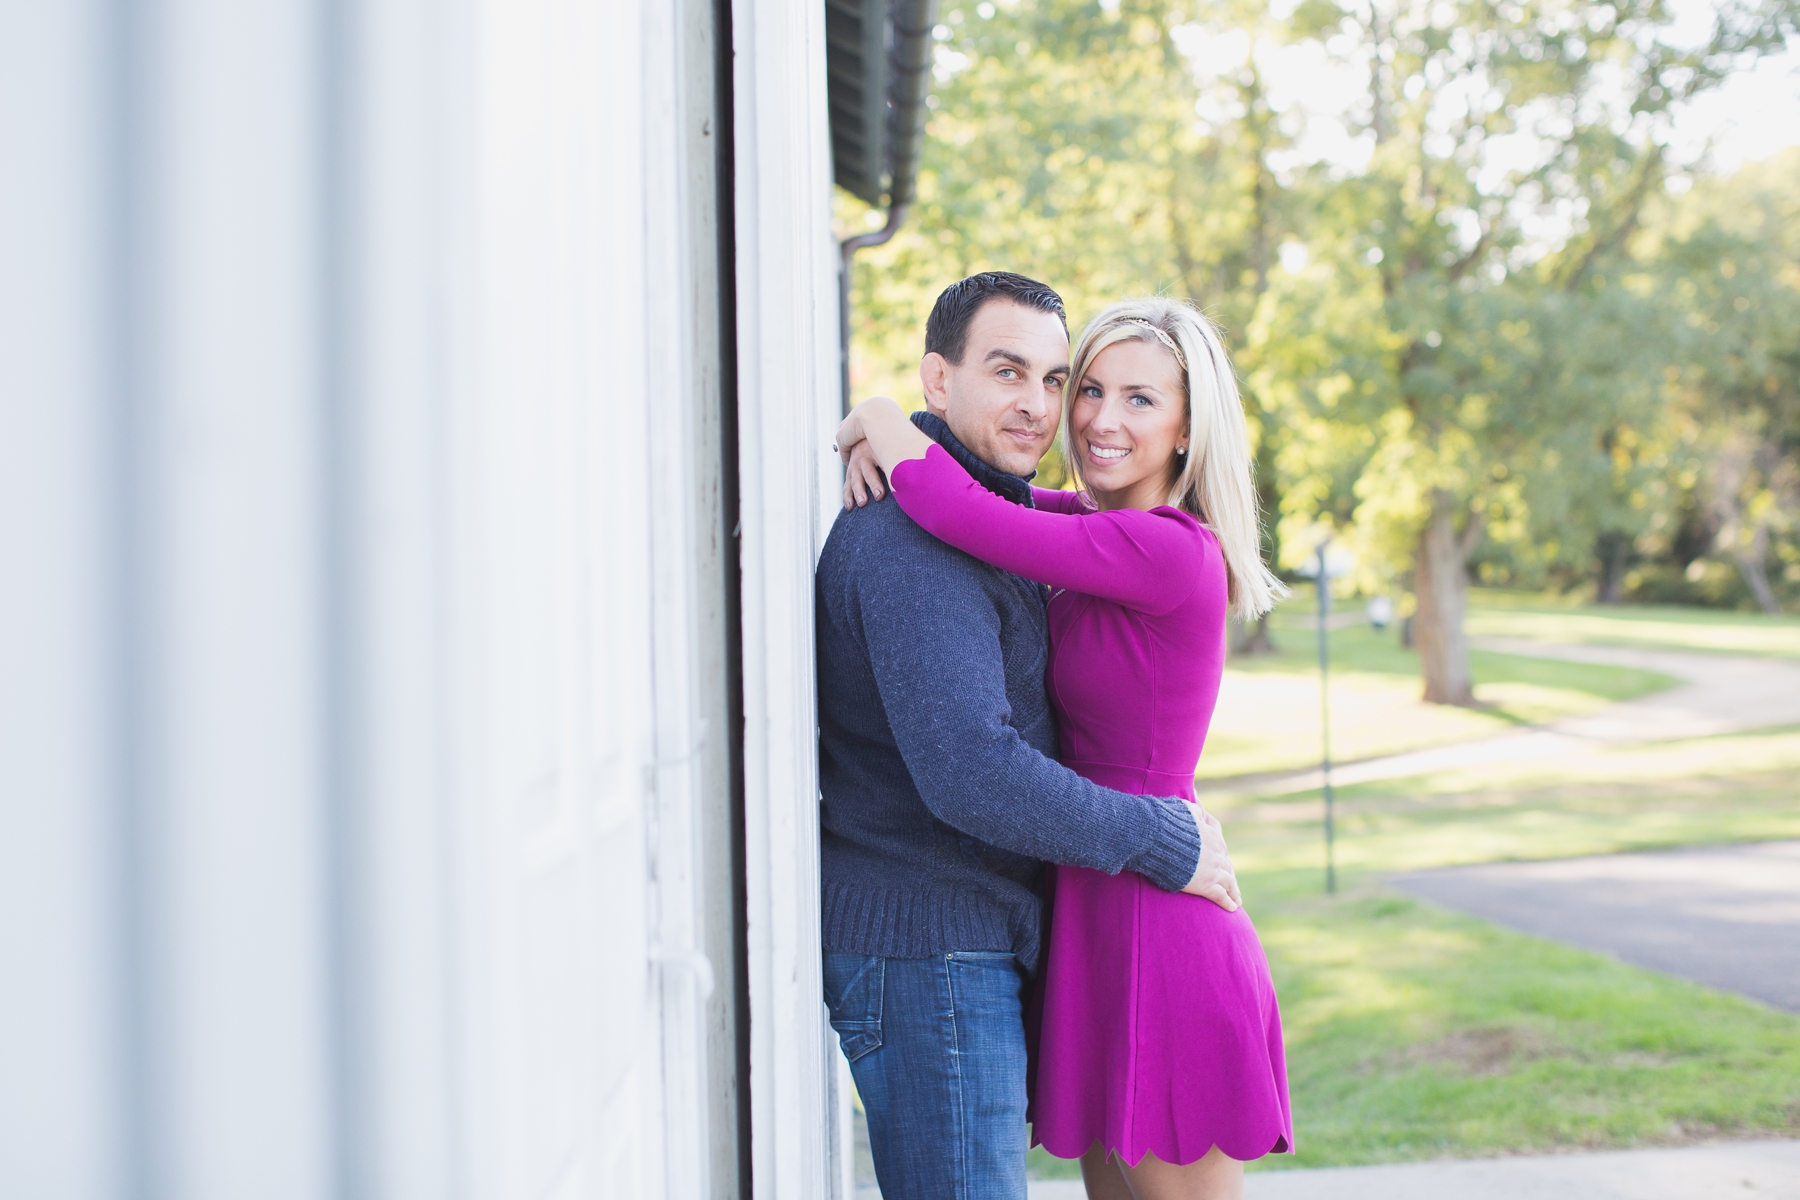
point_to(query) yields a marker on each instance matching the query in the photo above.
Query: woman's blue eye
(1142, 400)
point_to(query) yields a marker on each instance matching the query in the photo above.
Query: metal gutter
(878, 58)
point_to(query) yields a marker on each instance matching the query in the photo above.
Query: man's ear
(934, 377)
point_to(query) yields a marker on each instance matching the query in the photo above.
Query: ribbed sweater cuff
(1174, 856)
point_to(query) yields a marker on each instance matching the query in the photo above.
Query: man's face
(1004, 399)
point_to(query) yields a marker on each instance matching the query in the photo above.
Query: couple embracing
(1028, 920)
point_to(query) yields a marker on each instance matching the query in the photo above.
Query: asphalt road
(1724, 916)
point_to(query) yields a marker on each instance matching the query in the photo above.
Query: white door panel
(373, 662)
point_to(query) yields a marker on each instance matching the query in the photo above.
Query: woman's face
(1128, 418)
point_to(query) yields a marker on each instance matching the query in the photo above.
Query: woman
(1159, 1058)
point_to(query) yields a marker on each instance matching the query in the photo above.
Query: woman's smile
(1129, 417)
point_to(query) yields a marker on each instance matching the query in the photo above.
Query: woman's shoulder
(1177, 523)
(1197, 545)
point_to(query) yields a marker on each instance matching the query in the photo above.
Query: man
(941, 794)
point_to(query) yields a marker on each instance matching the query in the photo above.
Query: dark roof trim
(878, 62)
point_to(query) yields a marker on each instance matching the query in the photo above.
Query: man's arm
(933, 640)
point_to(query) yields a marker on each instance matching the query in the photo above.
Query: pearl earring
(1181, 450)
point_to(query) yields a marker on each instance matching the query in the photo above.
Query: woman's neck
(1145, 494)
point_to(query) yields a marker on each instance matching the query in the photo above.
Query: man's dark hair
(947, 329)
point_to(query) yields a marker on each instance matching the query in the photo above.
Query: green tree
(1488, 282)
(1729, 268)
(1497, 333)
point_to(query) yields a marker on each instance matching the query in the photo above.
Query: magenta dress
(1159, 1029)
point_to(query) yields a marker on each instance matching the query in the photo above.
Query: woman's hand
(862, 471)
(863, 480)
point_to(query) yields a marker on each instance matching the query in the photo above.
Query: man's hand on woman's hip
(1214, 878)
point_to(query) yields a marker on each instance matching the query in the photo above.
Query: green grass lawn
(1497, 613)
(1268, 713)
(1736, 787)
(1413, 1032)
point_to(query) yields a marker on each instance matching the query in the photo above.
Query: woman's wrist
(880, 408)
(891, 435)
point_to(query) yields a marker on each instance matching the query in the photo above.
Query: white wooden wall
(359, 696)
(787, 353)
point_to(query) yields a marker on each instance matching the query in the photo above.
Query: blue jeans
(937, 1048)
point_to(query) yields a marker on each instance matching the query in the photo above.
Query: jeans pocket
(854, 984)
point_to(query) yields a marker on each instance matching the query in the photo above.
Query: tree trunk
(1613, 550)
(1441, 584)
(1750, 564)
(1253, 638)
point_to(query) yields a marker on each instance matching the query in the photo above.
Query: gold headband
(1161, 336)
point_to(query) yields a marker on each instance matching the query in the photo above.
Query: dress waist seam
(1072, 763)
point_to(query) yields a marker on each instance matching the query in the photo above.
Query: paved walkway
(1718, 694)
(1725, 916)
(1752, 1170)
(1759, 1170)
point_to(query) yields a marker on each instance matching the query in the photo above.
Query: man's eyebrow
(1062, 370)
(1008, 355)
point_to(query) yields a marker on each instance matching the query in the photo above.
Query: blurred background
(1514, 295)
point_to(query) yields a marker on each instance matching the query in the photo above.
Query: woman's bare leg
(1215, 1177)
(1104, 1178)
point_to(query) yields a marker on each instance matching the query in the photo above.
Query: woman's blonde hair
(1215, 481)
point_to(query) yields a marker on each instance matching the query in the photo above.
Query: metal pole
(1324, 582)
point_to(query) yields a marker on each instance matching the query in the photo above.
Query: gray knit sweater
(941, 796)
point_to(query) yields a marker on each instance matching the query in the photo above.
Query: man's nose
(1034, 404)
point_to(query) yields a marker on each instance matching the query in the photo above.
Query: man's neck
(1008, 487)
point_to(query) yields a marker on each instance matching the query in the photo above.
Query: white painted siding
(787, 381)
(364, 738)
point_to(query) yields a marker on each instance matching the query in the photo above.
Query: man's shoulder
(880, 542)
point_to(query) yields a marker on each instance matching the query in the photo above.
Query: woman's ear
(934, 377)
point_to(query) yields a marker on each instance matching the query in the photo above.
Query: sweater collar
(1007, 487)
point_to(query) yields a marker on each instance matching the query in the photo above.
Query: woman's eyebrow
(1127, 387)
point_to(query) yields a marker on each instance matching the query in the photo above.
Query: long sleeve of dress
(1143, 560)
(1057, 501)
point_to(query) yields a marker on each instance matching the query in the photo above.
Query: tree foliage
(1502, 341)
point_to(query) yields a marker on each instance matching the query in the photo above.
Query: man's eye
(1008, 373)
